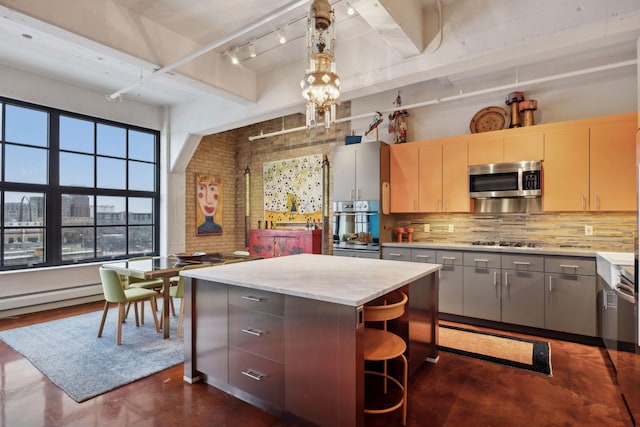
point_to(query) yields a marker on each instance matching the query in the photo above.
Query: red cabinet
(273, 243)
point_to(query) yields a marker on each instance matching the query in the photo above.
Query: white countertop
(543, 250)
(341, 280)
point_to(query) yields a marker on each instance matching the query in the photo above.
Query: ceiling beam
(399, 24)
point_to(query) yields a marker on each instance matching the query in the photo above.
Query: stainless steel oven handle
(355, 213)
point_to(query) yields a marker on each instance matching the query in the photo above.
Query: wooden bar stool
(382, 345)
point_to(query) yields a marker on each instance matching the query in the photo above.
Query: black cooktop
(503, 243)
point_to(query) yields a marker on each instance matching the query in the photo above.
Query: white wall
(18, 84)
(561, 100)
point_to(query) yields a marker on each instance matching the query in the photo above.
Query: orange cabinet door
(612, 166)
(486, 148)
(430, 177)
(565, 179)
(403, 179)
(525, 146)
(455, 172)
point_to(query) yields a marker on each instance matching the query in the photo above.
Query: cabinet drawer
(257, 375)
(448, 258)
(423, 255)
(523, 262)
(257, 332)
(397, 254)
(570, 265)
(256, 299)
(481, 259)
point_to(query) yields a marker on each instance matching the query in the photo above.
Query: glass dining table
(165, 267)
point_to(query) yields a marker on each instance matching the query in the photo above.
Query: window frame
(53, 191)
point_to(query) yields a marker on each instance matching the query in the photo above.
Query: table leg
(165, 306)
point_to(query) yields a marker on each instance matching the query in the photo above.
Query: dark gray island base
(285, 334)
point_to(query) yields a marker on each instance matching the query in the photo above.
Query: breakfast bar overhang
(285, 334)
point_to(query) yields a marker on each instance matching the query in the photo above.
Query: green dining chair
(136, 282)
(114, 292)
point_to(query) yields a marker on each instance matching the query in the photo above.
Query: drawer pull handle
(252, 298)
(480, 260)
(254, 375)
(569, 266)
(394, 254)
(449, 258)
(521, 263)
(423, 256)
(251, 331)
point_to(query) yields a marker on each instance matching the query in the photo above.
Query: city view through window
(86, 192)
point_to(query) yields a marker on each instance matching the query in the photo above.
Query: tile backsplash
(612, 231)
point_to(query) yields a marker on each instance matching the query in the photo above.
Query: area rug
(506, 350)
(69, 352)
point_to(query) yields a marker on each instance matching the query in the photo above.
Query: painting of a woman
(209, 209)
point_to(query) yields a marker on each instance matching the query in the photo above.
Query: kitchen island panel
(325, 366)
(322, 380)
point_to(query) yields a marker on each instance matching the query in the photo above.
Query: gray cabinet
(505, 288)
(423, 255)
(356, 172)
(256, 343)
(450, 297)
(354, 253)
(396, 254)
(481, 277)
(450, 275)
(570, 295)
(523, 290)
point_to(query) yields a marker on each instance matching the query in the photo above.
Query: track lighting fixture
(282, 36)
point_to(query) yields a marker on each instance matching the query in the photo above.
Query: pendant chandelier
(321, 85)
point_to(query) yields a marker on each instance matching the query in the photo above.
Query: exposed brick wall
(228, 154)
(215, 156)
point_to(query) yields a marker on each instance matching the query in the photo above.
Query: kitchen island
(285, 334)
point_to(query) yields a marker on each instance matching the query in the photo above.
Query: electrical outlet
(450, 228)
(588, 230)
(427, 228)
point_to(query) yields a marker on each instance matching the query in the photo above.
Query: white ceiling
(114, 46)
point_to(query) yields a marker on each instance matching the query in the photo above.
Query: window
(74, 188)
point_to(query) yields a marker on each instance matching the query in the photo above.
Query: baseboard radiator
(28, 303)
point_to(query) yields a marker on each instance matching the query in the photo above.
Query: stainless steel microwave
(514, 179)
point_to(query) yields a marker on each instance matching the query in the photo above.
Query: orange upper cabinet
(430, 176)
(485, 148)
(455, 172)
(612, 165)
(520, 146)
(403, 170)
(565, 170)
(591, 166)
(506, 146)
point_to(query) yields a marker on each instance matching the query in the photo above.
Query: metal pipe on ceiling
(515, 85)
(210, 46)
